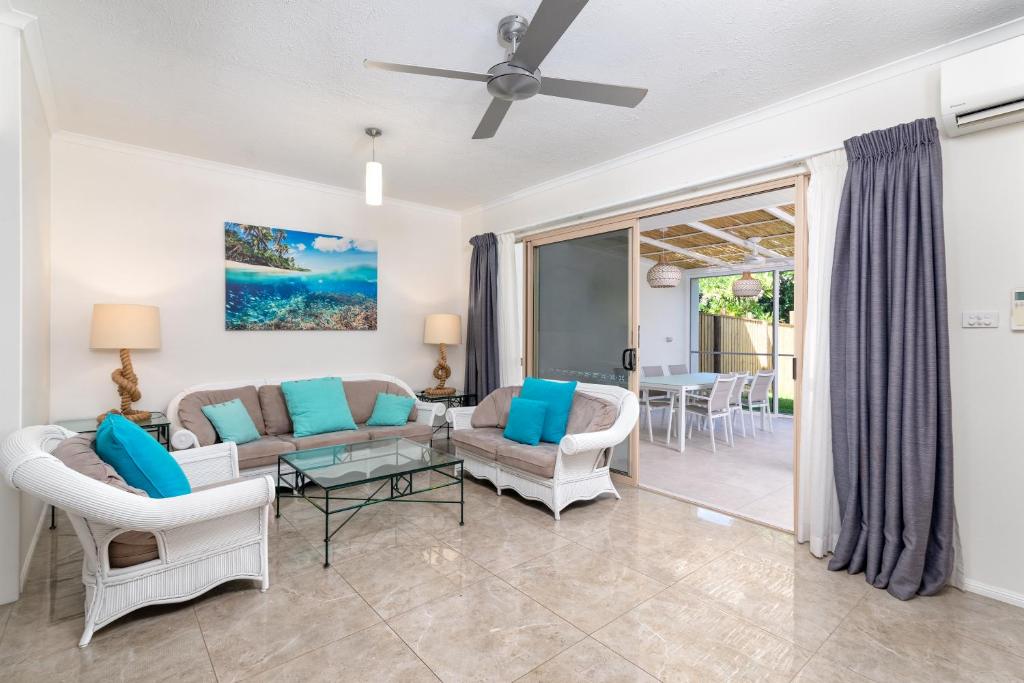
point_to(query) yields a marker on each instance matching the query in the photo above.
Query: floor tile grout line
(202, 634)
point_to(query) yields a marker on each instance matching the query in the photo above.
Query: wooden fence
(728, 334)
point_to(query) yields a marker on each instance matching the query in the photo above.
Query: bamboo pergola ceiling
(710, 238)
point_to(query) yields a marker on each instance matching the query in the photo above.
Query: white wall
(664, 313)
(35, 278)
(984, 173)
(134, 225)
(24, 287)
(10, 294)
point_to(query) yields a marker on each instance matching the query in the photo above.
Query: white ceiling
(278, 85)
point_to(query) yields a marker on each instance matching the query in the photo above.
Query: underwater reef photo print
(280, 279)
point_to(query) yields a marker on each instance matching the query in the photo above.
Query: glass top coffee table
(327, 476)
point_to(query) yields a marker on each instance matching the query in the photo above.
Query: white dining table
(680, 385)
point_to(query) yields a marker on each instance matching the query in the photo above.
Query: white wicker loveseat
(577, 468)
(212, 535)
(264, 401)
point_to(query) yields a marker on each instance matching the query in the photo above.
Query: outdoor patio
(753, 479)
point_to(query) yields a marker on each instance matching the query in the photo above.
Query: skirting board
(1009, 597)
(44, 516)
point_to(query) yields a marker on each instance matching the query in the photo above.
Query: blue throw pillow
(557, 396)
(525, 421)
(317, 406)
(232, 421)
(139, 458)
(390, 410)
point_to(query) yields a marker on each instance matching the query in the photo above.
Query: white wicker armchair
(204, 538)
(582, 465)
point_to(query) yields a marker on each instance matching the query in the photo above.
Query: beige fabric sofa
(265, 404)
(576, 468)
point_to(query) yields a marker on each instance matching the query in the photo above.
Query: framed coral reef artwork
(282, 279)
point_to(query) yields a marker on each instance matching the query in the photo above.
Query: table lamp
(125, 327)
(442, 329)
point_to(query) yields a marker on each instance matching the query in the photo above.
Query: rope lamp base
(128, 389)
(441, 373)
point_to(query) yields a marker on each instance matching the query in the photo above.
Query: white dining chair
(657, 400)
(714, 406)
(678, 369)
(736, 404)
(757, 399)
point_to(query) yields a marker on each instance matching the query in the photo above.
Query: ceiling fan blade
(492, 119)
(547, 26)
(618, 95)
(426, 71)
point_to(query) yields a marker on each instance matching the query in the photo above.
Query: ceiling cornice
(29, 26)
(196, 162)
(921, 60)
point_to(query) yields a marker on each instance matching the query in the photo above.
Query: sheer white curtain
(818, 506)
(509, 333)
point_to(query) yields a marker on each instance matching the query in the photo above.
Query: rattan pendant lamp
(663, 274)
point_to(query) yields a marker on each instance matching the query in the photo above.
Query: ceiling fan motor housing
(511, 82)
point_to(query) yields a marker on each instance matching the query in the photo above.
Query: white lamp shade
(125, 326)
(374, 183)
(442, 328)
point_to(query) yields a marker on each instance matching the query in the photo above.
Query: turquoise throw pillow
(390, 410)
(525, 421)
(232, 421)
(139, 458)
(557, 396)
(317, 406)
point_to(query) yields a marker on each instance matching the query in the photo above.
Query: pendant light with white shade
(374, 172)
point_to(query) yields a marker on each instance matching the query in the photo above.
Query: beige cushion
(262, 452)
(76, 452)
(362, 395)
(590, 414)
(132, 548)
(328, 438)
(410, 430)
(275, 410)
(483, 441)
(538, 460)
(493, 410)
(190, 411)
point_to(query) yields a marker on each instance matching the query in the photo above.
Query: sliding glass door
(581, 310)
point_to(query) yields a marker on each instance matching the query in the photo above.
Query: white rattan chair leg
(91, 612)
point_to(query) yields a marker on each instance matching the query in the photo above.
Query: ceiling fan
(518, 77)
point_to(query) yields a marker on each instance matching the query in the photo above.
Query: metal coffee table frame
(401, 486)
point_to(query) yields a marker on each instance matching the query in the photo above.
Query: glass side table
(158, 425)
(450, 401)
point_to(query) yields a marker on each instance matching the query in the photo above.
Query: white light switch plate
(980, 319)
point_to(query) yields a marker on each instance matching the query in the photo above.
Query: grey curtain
(891, 415)
(482, 373)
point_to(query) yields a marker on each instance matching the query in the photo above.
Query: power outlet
(980, 319)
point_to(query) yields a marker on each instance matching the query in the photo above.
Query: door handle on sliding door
(629, 359)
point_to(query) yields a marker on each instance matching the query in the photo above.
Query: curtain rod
(622, 207)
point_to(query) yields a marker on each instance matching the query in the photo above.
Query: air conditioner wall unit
(983, 89)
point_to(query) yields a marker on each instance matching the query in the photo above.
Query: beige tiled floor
(753, 478)
(640, 589)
